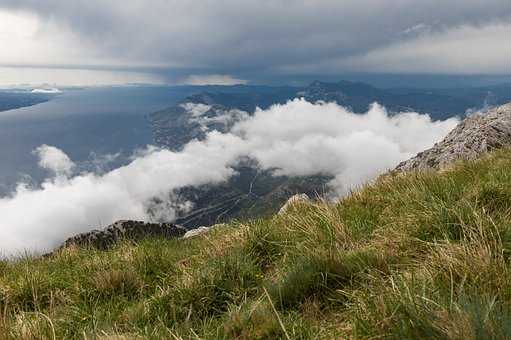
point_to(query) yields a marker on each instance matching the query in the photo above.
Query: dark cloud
(276, 37)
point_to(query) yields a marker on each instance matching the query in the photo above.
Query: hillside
(416, 255)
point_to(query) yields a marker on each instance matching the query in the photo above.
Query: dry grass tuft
(115, 282)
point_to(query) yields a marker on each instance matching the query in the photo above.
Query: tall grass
(415, 256)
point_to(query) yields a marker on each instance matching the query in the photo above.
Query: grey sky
(216, 40)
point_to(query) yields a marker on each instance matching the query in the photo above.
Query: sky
(84, 42)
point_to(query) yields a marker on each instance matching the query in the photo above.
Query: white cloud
(299, 138)
(225, 117)
(196, 109)
(302, 138)
(38, 219)
(55, 160)
(46, 90)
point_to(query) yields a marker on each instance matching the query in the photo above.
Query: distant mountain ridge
(438, 103)
(252, 192)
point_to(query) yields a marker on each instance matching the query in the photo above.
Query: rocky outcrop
(124, 230)
(196, 232)
(293, 200)
(477, 134)
(201, 231)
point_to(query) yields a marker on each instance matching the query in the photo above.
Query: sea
(98, 128)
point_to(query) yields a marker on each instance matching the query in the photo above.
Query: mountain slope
(414, 256)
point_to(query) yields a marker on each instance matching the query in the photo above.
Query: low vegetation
(416, 256)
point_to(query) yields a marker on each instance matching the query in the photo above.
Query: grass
(416, 256)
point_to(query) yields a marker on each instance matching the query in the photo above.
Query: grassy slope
(415, 256)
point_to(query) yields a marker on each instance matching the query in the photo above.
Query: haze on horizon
(228, 42)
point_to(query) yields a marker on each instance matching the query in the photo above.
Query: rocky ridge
(477, 134)
(137, 230)
(124, 230)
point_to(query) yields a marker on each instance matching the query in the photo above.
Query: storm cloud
(239, 39)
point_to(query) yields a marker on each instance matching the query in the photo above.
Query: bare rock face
(477, 134)
(295, 199)
(124, 230)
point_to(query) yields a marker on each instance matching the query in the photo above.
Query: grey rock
(196, 232)
(295, 199)
(201, 230)
(476, 135)
(124, 230)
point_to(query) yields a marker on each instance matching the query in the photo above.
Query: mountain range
(253, 192)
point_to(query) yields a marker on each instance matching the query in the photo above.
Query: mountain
(199, 113)
(438, 103)
(221, 105)
(192, 119)
(357, 96)
(414, 255)
(206, 111)
(252, 192)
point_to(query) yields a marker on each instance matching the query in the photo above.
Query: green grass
(416, 256)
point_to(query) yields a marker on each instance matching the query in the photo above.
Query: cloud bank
(297, 138)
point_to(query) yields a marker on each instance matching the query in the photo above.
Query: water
(86, 124)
